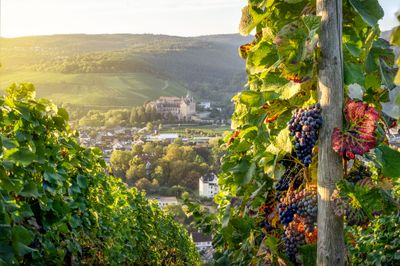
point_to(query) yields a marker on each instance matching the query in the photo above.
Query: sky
(170, 17)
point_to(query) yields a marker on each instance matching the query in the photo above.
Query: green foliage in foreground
(282, 65)
(58, 206)
(376, 244)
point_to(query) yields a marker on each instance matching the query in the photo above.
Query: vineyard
(277, 206)
(58, 205)
(308, 176)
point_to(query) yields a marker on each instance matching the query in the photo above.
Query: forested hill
(124, 69)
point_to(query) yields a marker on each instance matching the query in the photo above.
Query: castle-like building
(208, 185)
(183, 107)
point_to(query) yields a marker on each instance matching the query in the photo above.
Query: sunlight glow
(171, 17)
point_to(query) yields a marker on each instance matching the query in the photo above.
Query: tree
(135, 172)
(133, 119)
(149, 126)
(144, 184)
(137, 149)
(120, 162)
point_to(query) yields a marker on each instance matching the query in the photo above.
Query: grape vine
(59, 207)
(270, 157)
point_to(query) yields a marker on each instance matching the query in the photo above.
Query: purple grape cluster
(292, 238)
(290, 179)
(356, 217)
(285, 182)
(306, 205)
(358, 172)
(304, 126)
(286, 213)
(266, 225)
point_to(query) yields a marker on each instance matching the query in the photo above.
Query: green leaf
(9, 143)
(50, 175)
(21, 234)
(353, 73)
(30, 190)
(250, 98)
(312, 23)
(389, 160)
(63, 113)
(395, 37)
(82, 181)
(20, 155)
(290, 42)
(282, 143)
(261, 57)
(273, 82)
(289, 90)
(387, 73)
(249, 174)
(6, 254)
(270, 95)
(22, 249)
(369, 10)
(251, 17)
(227, 214)
(271, 243)
(308, 254)
(353, 49)
(293, 1)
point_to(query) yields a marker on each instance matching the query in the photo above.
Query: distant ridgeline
(124, 70)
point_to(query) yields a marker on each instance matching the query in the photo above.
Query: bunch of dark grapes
(290, 179)
(286, 213)
(305, 202)
(266, 225)
(265, 210)
(356, 217)
(358, 172)
(304, 127)
(293, 238)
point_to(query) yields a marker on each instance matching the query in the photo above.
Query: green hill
(124, 69)
(96, 89)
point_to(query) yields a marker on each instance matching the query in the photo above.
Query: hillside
(124, 69)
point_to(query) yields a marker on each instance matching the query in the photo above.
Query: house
(166, 201)
(163, 137)
(118, 146)
(182, 108)
(205, 105)
(187, 107)
(202, 242)
(208, 185)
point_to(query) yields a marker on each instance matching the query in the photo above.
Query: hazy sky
(172, 17)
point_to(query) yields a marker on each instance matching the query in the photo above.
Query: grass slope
(124, 69)
(96, 89)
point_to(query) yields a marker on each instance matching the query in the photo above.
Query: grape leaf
(395, 36)
(290, 42)
(369, 10)
(359, 137)
(389, 160)
(353, 73)
(251, 17)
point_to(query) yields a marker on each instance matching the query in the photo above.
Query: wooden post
(330, 247)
